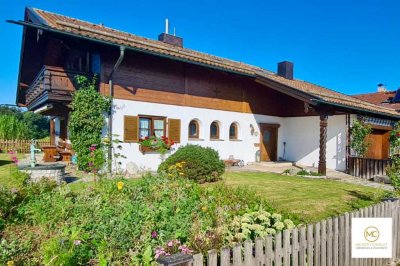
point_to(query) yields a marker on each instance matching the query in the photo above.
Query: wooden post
(323, 126)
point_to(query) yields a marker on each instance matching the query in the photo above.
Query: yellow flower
(120, 185)
(204, 208)
(10, 263)
(181, 173)
(170, 175)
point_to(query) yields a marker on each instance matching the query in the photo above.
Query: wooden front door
(269, 142)
(378, 144)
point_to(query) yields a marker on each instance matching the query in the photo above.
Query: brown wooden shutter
(174, 129)
(131, 128)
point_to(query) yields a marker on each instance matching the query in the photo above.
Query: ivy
(87, 120)
(393, 171)
(359, 133)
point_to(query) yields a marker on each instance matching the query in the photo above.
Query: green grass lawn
(8, 171)
(309, 200)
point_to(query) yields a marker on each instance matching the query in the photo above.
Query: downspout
(111, 94)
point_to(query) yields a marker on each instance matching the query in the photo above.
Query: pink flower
(154, 234)
(90, 164)
(77, 242)
(185, 250)
(170, 243)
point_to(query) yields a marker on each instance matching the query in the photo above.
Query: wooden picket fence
(20, 146)
(367, 168)
(326, 243)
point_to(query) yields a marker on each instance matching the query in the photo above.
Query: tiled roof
(99, 32)
(382, 98)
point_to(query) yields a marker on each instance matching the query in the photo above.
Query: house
(160, 88)
(383, 97)
(379, 138)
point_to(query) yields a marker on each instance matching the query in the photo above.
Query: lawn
(8, 171)
(308, 199)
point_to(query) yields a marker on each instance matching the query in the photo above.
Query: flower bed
(128, 222)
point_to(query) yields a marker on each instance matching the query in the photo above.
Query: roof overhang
(131, 48)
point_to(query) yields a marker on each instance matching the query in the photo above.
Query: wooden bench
(65, 151)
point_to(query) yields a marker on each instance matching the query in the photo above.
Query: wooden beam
(323, 130)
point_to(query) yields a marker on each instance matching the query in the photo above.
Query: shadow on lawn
(4, 162)
(360, 200)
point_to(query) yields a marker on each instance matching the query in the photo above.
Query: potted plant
(160, 144)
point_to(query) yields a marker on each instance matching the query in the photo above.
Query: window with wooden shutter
(131, 132)
(174, 130)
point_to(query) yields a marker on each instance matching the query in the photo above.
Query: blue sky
(348, 46)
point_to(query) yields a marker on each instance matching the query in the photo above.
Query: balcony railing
(52, 84)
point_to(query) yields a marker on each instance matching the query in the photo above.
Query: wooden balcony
(51, 85)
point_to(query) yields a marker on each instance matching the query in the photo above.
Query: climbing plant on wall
(86, 122)
(393, 171)
(359, 133)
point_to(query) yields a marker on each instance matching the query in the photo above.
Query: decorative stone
(175, 259)
(53, 172)
(131, 168)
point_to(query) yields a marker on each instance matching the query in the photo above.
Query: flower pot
(144, 149)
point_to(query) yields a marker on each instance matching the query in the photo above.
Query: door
(378, 144)
(269, 142)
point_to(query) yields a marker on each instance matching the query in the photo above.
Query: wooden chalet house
(161, 88)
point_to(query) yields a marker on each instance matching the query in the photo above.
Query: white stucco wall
(243, 149)
(302, 141)
(301, 134)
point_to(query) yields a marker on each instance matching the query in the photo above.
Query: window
(214, 130)
(193, 129)
(233, 131)
(151, 126)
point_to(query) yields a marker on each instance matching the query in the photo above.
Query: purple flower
(154, 234)
(77, 242)
(90, 164)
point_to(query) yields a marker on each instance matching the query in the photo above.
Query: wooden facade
(151, 79)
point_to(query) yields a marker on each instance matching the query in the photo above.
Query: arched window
(233, 131)
(194, 129)
(214, 130)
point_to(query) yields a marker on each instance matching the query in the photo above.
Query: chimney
(381, 88)
(285, 69)
(168, 38)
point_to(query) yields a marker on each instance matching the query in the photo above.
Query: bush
(256, 224)
(86, 122)
(194, 162)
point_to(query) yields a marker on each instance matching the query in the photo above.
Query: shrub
(87, 121)
(194, 162)
(393, 170)
(256, 224)
(359, 132)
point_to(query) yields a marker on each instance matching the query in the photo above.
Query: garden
(134, 221)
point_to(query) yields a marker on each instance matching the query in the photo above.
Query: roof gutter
(50, 29)
(397, 117)
(110, 115)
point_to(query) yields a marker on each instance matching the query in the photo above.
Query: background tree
(18, 124)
